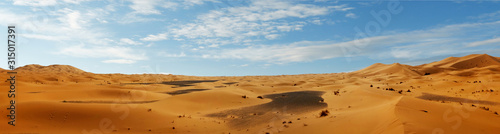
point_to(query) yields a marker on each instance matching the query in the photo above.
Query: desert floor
(452, 96)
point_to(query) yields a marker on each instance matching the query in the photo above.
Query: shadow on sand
(282, 105)
(428, 96)
(112, 102)
(183, 83)
(185, 91)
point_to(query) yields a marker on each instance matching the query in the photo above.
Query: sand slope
(466, 62)
(383, 69)
(455, 95)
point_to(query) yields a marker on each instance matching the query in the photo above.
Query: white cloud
(15, 18)
(261, 18)
(118, 54)
(66, 27)
(272, 36)
(119, 61)
(128, 41)
(446, 40)
(133, 18)
(164, 54)
(149, 7)
(296, 52)
(169, 5)
(317, 22)
(35, 2)
(44, 37)
(71, 18)
(39, 3)
(158, 37)
(408, 54)
(101, 20)
(488, 16)
(189, 3)
(320, 0)
(145, 7)
(164, 73)
(351, 15)
(65, 24)
(74, 1)
(341, 7)
(485, 42)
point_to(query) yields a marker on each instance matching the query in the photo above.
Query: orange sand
(459, 96)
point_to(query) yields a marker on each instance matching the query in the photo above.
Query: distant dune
(34, 68)
(466, 62)
(458, 95)
(383, 69)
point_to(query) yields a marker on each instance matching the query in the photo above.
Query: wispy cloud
(158, 37)
(260, 19)
(485, 42)
(120, 61)
(165, 54)
(446, 40)
(145, 6)
(351, 15)
(117, 54)
(148, 7)
(75, 31)
(128, 41)
(38, 3)
(295, 52)
(35, 2)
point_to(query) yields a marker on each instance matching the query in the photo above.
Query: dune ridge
(67, 69)
(466, 62)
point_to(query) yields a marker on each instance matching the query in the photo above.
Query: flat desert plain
(457, 95)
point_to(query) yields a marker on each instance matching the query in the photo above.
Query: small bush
(336, 92)
(324, 113)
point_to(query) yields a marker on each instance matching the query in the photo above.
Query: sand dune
(455, 95)
(466, 62)
(383, 69)
(66, 69)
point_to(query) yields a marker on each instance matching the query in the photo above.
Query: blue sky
(255, 37)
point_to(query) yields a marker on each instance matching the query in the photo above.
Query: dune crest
(35, 68)
(384, 69)
(466, 62)
(448, 64)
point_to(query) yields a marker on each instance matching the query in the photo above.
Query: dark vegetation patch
(434, 97)
(183, 83)
(185, 91)
(282, 104)
(111, 102)
(230, 83)
(324, 113)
